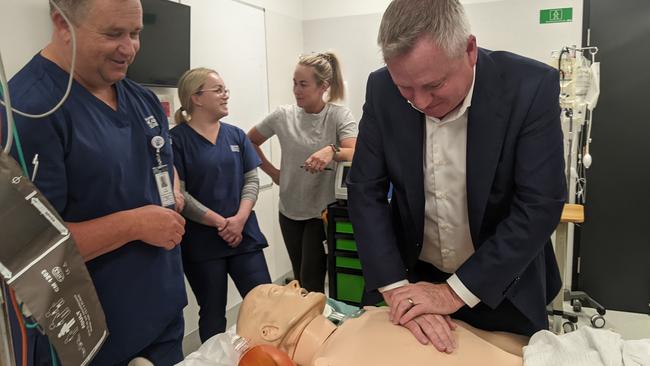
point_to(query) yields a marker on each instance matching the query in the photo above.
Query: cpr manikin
(291, 319)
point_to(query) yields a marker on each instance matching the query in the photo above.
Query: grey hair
(76, 10)
(406, 21)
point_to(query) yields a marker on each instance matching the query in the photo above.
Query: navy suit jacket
(515, 183)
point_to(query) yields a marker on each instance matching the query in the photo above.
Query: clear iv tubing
(5, 87)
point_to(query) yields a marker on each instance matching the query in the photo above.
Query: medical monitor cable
(7, 101)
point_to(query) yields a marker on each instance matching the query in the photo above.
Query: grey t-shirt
(304, 195)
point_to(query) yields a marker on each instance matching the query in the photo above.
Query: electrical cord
(36, 326)
(21, 324)
(28, 325)
(7, 100)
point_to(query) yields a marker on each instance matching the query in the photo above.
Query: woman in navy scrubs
(217, 166)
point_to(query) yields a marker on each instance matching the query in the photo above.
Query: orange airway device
(265, 355)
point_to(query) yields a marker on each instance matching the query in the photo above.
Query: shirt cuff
(463, 292)
(393, 285)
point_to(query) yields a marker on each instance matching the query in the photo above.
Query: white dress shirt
(447, 241)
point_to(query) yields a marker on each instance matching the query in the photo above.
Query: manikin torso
(373, 340)
(290, 319)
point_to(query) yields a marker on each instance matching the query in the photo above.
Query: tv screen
(164, 44)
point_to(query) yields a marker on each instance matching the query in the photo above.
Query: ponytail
(337, 88)
(180, 116)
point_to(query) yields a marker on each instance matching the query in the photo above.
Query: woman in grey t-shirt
(313, 135)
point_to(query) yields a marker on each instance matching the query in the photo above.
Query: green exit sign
(561, 15)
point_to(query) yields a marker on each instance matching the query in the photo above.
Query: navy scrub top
(214, 174)
(95, 161)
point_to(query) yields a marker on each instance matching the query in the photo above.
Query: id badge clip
(161, 175)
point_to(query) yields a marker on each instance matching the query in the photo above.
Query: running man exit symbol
(560, 15)
(556, 15)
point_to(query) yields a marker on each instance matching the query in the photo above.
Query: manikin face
(270, 313)
(309, 95)
(108, 38)
(213, 97)
(433, 82)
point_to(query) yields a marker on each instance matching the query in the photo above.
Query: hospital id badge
(164, 184)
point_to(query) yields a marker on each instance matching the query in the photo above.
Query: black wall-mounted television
(164, 44)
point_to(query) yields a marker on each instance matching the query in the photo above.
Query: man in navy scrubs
(100, 158)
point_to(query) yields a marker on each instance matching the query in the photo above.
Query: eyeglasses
(221, 92)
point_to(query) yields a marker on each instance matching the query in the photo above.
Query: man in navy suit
(472, 143)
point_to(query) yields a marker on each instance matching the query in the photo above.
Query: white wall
(317, 9)
(292, 9)
(24, 29)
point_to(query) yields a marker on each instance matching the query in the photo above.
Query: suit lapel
(486, 129)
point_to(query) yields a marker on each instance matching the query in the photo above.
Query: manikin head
(276, 315)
